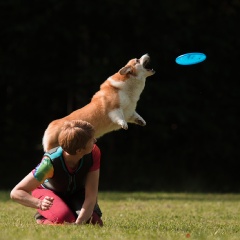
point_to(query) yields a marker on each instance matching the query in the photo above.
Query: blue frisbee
(190, 58)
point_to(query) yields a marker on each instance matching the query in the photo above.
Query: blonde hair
(75, 135)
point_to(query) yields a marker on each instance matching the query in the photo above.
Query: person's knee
(59, 216)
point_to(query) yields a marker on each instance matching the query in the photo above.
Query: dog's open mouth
(146, 63)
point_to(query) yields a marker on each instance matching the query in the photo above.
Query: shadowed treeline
(55, 54)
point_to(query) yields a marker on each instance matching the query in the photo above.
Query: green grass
(139, 215)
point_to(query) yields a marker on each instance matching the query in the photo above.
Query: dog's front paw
(123, 124)
(140, 121)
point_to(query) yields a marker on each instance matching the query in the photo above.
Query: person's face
(90, 144)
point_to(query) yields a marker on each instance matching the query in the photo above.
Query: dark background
(55, 54)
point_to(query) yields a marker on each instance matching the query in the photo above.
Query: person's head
(76, 135)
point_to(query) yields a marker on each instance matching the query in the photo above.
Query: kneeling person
(64, 185)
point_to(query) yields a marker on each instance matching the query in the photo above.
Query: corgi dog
(112, 107)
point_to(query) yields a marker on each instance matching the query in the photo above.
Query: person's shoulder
(54, 153)
(46, 161)
(96, 151)
(96, 148)
(96, 156)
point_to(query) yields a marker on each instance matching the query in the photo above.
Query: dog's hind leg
(137, 119)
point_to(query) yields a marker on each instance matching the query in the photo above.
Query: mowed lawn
(135, 215)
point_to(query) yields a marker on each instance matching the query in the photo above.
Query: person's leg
(96, 216)
(75, 203)
(58, 213)
(95, 219)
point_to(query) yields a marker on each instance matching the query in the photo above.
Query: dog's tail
(50, 137)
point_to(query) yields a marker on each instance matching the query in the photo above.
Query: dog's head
(138, 67)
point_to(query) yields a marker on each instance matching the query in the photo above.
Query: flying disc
(190, 58)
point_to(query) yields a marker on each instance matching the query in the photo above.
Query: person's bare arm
(91, 192)
(21, 193)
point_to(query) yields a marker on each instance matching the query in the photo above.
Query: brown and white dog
(113, 106)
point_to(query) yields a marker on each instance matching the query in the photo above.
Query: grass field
(138, 215)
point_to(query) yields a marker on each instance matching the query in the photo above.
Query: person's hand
(46, 203)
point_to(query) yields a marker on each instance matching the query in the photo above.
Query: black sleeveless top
(63, 182)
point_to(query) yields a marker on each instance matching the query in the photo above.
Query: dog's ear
(125, 70)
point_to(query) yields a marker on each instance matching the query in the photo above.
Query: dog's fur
(113, 106)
